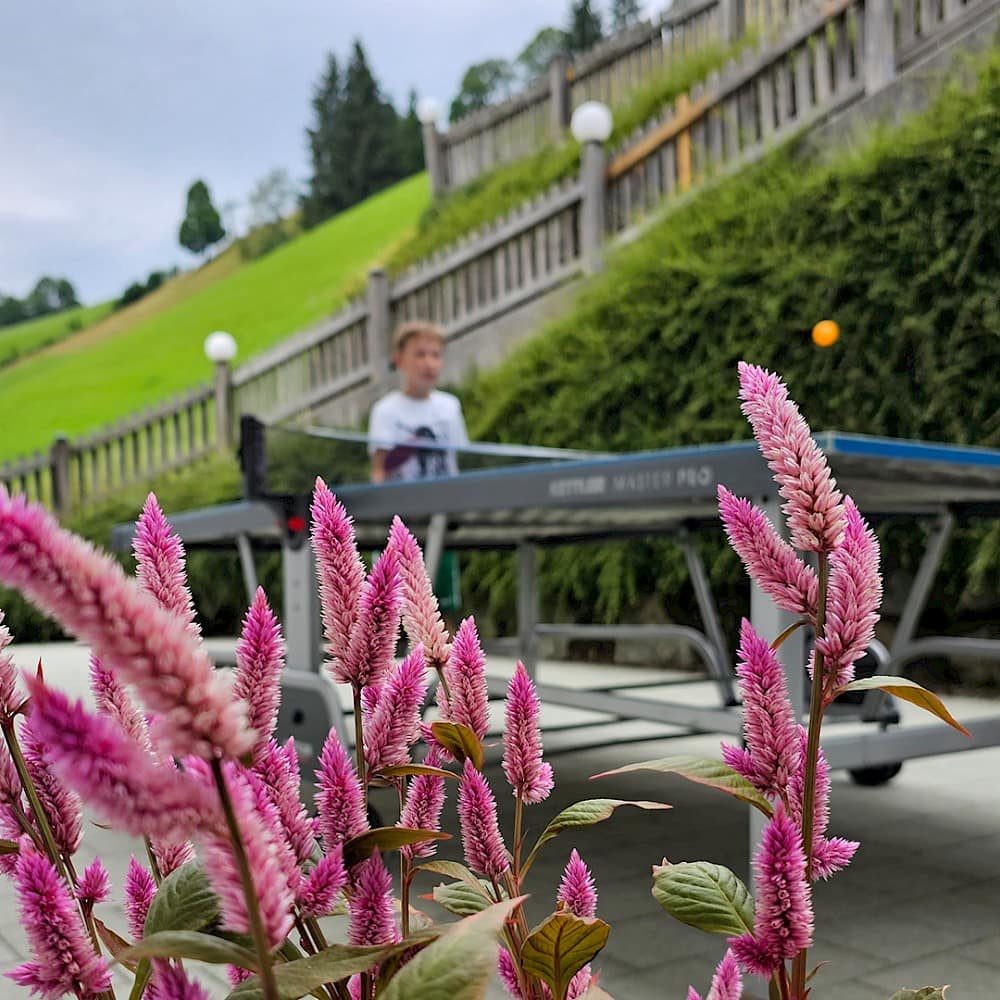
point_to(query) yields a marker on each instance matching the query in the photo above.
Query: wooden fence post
(434, 158)
(223, 406)
(379, 325)
(59, 457)
(559, 96)
(682, 106)
(880, 48)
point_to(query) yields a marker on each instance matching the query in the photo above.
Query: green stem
(518, 819)
(153, 863)
(359, 745)
(439, 668)
(257, 932)
(405, 875)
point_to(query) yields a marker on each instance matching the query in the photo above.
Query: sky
(110, 109)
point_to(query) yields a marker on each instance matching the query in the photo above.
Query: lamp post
(220, 349)
(429, 112)
(591, 126)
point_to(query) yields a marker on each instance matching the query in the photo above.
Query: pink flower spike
(508, 974)
(340, 806)
(114, 774)
(278, 768)
(9, 697)
(422, 811)
(340, 573)
(94, 886)
(395, 723)
(172, 983)
(89, 595)
(159, 556)
(140, 888)
(853, 600)
(527, 774)
(576, 890)
(64, 959)
(260, 658)
(61, 804)
(815, 515)
(421, 617)
(831, 855)
(469, 695)
(115, 702)
(726, 983)
(171, 855)
(477, 813)
(319, 890)
(371, 904)
(783, 924)
(373, 642)
(769, 560)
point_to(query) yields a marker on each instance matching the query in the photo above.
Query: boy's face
(419, 364)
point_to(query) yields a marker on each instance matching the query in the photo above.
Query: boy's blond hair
(415, 328)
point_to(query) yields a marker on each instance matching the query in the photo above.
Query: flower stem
(267, 980)
(153, 863)
(518, 820)
(359, 745)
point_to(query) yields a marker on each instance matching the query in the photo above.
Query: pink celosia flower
(769, 560)
(369, 699)
(773, 751)
(94, 886)
(9, 697)
(477, 814)
(783, 923)
(10, 780)
(395, 723)
(64, 959)
(340, 808)
(236, 975)
(260, 657)
(580, 983)
(422, 811)
(278, 768)
(61, 805)
(115, 775)
(114, 701)
(373, 641)
(270, 819)
(159, 556)
(140, 888)
(576, 890)
(172, 983)
(340, 573)
(528, 774)
(90, 596)
(468, 699)
(371, 904)
(853, 599)
(270, 878)
(815, 515)
(421, 617)
(508, 974)
(171, 855)
(319, 890)
(726, 983)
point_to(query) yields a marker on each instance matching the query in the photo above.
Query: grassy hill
(142, 355)
(21, 339)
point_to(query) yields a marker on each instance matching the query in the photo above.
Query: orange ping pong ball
(825, 333)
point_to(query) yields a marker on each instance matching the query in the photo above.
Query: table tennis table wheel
(869, 777)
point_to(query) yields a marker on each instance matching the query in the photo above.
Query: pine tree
(624, 13)
(323, 198)
(201, 226)
(410, 140)
(585, 29)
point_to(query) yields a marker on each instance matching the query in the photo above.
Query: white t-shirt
(398, 421)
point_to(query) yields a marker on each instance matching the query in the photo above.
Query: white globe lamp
(220, 347)
(591, 122)
(428, 111)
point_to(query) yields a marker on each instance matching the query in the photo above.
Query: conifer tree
(585, 29)
(202, 226)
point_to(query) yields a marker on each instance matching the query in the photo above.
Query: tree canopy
(584, 30)
(202, 226)
(484, 83)
(50, 295)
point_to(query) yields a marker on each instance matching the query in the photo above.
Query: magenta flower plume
(576, 890)
(371, 904)
(853, 599)
(813, 508)
(159, 556)
(340, 573)
(468, 699)
(260, 657)
(115, 775)
(769, 560)
(319, 890)
(270, 878)
(726, 983)
(115, 702)
(172, 854)
(508, 974)
(773, 750)
(278, 768)
(9, 698)
(61, 805)
(422, 810)
(421, 617)
(64, 959)
(373, 641)
(528, 775)
(94, 886)
(477, 813)
(90, 596)
(172, 983)
(395, 723)
(783, 924)
(140, 888)
(340, 808)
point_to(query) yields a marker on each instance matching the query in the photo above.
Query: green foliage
(624, 13)
(561, 946)
(50, 295)
(535, 57)
(700, 894)
(23, 339)
(201, 226)
(584, 29)
(483, 83)
(139, 290)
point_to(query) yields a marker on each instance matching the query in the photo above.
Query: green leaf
(296, 979)
(463, 899)
(8, 847)
(143, 974)
(191, 944)
(459, 965)
(906, 690)
(114, 942)
(585, 813)
(403, 770)
(709, 897)
(184, 902)
(460, 741)
(924, 993)
(704, 771)
(561, 946)
(453, 869)
(385, 838)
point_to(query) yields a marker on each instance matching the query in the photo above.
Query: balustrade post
(59, 459)
(220, 349)
(591, 126)
(379, 326)
(559, 96)
(434, 159)
(879, 45)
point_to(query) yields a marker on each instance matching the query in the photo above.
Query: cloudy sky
(109, 109)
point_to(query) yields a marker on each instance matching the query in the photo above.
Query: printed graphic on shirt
(408, 461)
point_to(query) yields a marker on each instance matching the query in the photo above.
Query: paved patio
(920, 904)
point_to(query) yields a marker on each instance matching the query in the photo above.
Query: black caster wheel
(869, 777)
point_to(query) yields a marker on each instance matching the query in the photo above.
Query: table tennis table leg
(527, 606)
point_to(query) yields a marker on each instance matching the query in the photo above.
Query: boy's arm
(377, 431)
(378, 465)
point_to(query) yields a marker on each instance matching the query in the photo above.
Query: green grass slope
(96, 377)
(21, 339)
